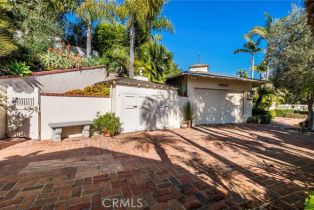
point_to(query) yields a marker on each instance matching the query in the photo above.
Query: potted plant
(188, 114)
(108, 124)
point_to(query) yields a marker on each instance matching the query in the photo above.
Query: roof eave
(257, 82)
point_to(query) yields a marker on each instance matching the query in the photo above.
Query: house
(216, 98)
(141, 105)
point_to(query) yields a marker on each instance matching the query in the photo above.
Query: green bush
(95, 90)
(254, 119)
(260, 119)
(282, 112)
(65, 59)
(309, 201)
(290, 113)
(295, 115)
(304, 112)
(107, 123)
(19, 69)
(188, 112)
(272, 113)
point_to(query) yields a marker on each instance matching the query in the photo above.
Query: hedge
(290, 113)
(260, 119)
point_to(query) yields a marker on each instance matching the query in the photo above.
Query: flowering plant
(64, 59)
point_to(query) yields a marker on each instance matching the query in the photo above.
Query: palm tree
(91, 11)
(263, 32)
(262, 68)
(250, 47)
(7, 46)
(243, 73)
(146, 15)
(159, 60)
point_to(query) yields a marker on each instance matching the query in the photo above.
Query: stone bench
(57, 128)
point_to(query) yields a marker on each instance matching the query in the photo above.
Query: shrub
(309, 201)
(188, 111)
(253, 119)
(65, 59)
(272, 113)
(290, 113)
(260, 119)
(304, 112)
(19, 69)
(107, 123)
(295, 115)
(95, 90)
(282, 112)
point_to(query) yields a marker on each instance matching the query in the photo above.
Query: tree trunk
(310, 116)
(132, 43)
(267, 73)
(88, 40)
(252, 66)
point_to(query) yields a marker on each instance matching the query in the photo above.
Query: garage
(215, 106)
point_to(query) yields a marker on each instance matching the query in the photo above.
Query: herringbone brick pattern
(217, 167)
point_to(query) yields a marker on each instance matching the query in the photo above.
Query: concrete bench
(57, 128)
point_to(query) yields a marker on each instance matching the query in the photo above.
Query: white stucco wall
(156, 108)
(55, 82)
(222, 84)
(56, 109)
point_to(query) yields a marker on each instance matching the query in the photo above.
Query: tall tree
(158, 61)
(262, 68)
(112, 44)
(146, 15)
(243, 73)
(250, 47)
(290, 54)
(6, 43)
(38, 26)
(90, 11)
(263, 33)
(310, 13)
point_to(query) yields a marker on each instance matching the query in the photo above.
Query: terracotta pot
(107, 133)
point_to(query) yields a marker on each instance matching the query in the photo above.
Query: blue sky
(214, 29)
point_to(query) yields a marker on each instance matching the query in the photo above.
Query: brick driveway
(216, 167)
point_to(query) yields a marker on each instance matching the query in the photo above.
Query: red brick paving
(216, 167)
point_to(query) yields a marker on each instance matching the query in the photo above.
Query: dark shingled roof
(123, 81)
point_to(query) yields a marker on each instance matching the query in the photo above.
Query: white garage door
(218, 106)
(140, 112)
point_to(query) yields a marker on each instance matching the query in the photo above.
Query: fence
(292, 106)
(23, 114)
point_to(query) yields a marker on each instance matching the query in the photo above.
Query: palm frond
(6, 45)
(258, 42)
(258, 50)
(259, 31)
(163, 24)
(241, 51)
(248, 38)
(268, 20)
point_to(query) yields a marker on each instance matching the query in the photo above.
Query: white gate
(23, 114)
